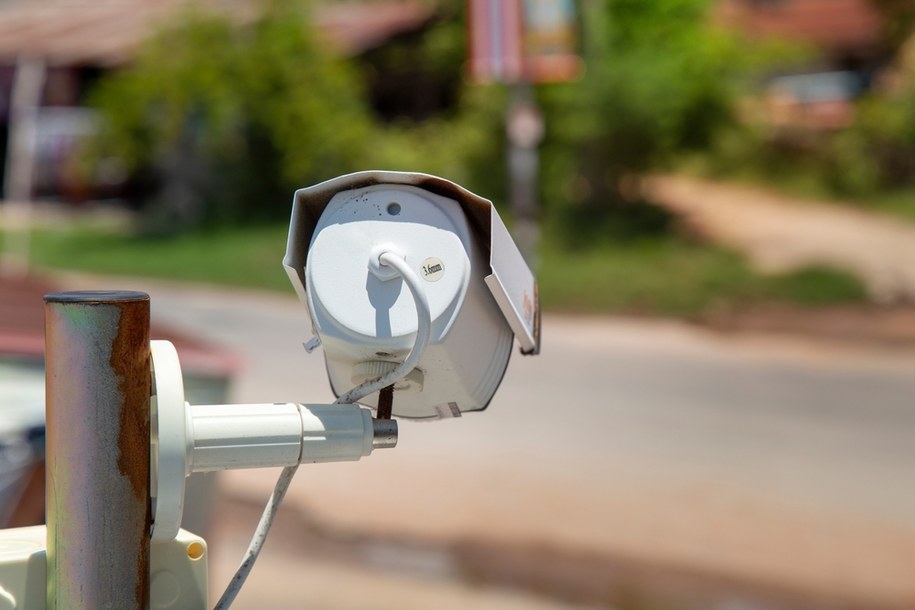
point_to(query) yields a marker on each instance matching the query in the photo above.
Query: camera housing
(480, 291)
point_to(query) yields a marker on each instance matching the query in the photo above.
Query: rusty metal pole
(98, 445)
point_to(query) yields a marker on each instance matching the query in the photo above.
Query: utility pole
(524, 130)
(522, 43)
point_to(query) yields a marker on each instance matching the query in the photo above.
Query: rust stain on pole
(130, 363)
(98, 435)
(130, 354)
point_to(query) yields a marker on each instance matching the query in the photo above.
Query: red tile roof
(108, 32)
(72, 32)
(356, 27)
(834, 25)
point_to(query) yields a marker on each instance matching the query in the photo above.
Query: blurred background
(718, 197)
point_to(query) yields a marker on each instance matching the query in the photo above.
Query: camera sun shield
(480, 290)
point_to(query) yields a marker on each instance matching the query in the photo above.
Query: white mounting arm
(268, 435)
(203, 438)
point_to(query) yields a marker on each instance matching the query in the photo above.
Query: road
(781, 462)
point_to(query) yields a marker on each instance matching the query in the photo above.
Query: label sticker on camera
(433, 269)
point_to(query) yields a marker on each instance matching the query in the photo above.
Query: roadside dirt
(889, 326)
(780, 233)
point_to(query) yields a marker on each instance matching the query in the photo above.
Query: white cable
(423, 332)
(257, 541)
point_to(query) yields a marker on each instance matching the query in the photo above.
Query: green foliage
(898, 19)
(878, 150)
(235, 116)
(870, 162)
(817, 286)
(416, 76)
(658, 81)
(464, 140)
(467, 147)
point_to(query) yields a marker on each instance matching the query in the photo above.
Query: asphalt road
(784, 462)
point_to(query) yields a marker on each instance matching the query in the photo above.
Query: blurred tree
(433, 119)
(658, 82)
(417, 75)
(898, 20)
(877, 152)
(232, 117)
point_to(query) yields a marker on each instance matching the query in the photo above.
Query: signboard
(550, 41)
(495, 40)
(523, 40)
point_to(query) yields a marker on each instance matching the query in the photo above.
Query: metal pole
(525, 131)
(98, 447)
(20, 164)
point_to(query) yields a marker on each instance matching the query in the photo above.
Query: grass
(665, 276)
(675, 277)
(238, 257)
(899, 203)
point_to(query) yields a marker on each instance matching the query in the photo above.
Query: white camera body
(480, 290)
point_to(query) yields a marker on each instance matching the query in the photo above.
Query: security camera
(383, 260)
(416, 291)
